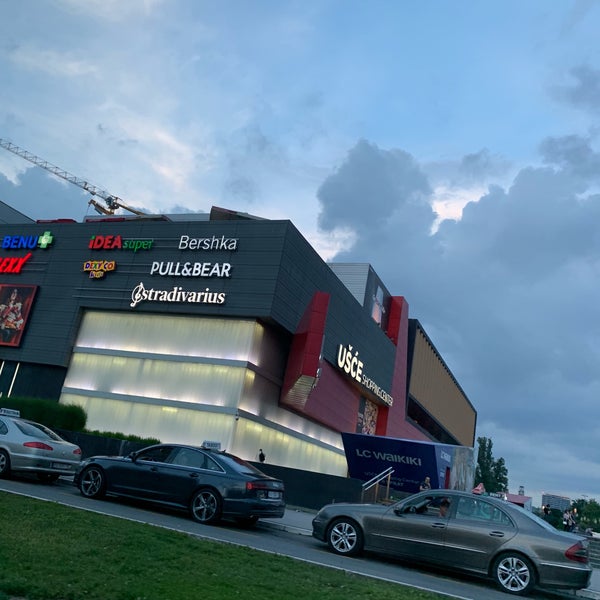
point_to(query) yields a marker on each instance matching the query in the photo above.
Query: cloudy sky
(451, 144)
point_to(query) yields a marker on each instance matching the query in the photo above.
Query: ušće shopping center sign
(349, 363)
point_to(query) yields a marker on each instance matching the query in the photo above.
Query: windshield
(534, 517)
(240, 465)
(37, 430)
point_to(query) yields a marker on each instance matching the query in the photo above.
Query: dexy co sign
(14, 264)
(349, 363)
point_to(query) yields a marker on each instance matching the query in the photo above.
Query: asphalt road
(267, 539)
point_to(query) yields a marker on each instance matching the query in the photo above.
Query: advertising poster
(15, 307)
(448, 467)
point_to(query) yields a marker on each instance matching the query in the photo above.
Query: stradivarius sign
(175, 294)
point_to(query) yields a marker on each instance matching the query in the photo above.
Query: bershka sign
(211, 243)
(13, 265)
(176, 294)
(350, 364)
(97, 268)
(29, 242)
(190, 269)
(116, 242)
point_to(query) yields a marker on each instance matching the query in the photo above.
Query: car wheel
(205, 506)
(514, 574)
(4, 464)
(48, 477)
(344, 536)
(92, 482)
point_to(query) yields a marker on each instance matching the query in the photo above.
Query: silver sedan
(462, 531)
(29, 447)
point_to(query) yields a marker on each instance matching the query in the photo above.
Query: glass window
(157, 454)
(476, 508)
(3, 428)
(433, 506)
(36, 430)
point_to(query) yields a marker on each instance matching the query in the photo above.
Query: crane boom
(112, 202)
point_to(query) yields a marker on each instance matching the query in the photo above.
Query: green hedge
(63, 416)
(48, 412)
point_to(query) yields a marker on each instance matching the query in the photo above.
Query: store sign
(350, 364)
(176, 294)
(116, 242)
(410, 461)
(212, 243)
(29, 242)
(13, 265)
(190, 269)
(98, 268)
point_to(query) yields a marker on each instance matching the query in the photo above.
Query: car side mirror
(133, 456)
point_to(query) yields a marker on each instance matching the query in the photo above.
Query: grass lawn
(53, 552)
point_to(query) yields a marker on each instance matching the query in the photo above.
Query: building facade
(228, 329)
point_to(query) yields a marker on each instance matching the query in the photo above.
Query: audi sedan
(207, 483)
(29, 447)
(458, 530)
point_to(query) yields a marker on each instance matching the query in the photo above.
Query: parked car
(461, 531)
(208, 483)
(29, 447)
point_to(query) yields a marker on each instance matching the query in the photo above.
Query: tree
(492, 473)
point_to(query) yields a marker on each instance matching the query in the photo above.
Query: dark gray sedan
(207, 483)
(459, 530)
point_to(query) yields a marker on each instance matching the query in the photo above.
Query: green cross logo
(45, 240)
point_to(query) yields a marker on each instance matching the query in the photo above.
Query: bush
(126, 437)
(48, 412)
(68, 417)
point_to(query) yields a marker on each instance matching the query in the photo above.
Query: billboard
(15, 307)
(448, 467)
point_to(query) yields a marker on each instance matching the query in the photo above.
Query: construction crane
(113, 203)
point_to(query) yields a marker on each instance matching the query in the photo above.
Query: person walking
(261, 455)
(425, 485)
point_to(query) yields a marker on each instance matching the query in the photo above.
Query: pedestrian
(568, 520)
(261, 455)
(546, 509)
(425, 485)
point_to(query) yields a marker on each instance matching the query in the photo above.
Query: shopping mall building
(223, 327)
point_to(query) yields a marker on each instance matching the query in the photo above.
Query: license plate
(274, 495)
(60, 466)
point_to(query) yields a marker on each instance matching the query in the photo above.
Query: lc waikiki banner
(448, 467)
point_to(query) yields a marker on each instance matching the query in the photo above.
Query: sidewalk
(295, 520)
(299, 520)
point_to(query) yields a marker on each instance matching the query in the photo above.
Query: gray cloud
(507, 293)
(371, 187)
(572, 153)
(584, 89)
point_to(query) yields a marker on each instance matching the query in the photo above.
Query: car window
(3, 428)
(36, 430)
(157, 454)
(433, 506)
(239, 465)
(189, 457)
(480, 510)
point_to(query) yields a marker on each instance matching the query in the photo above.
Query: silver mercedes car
(459, 530)
(29, 447)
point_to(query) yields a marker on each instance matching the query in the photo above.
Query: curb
(284, 527)
(588, 594)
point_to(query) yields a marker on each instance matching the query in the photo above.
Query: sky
(453, 145)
